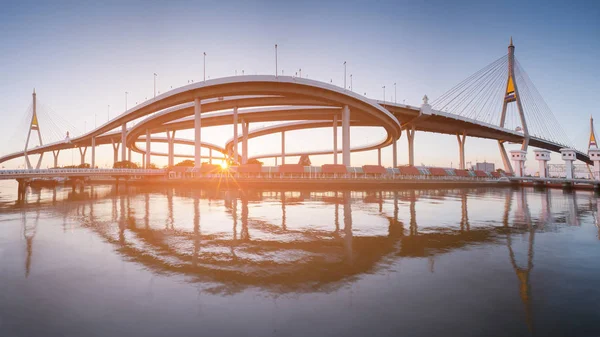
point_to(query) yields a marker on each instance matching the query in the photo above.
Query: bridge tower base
(519, 157)
(595, 157)
(568, 155)
(542, 156)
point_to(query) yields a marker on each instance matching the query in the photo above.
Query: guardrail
(12, 174)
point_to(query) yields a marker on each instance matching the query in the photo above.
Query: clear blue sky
(81, 57)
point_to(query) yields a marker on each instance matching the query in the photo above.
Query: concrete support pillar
(507, 167)
(595, 157)
(335, 146)
(235, 134)
(379, 156)
(519, 157)
(245, 126)
(115, 151)
(210, 156)
(171, 140)
(282, 147)
(148, 150)
(55, 154)
(542, 156)
(93, 162)
(123, 141)
(129, 155)
(569, 156)
(197, 133)
(461, 149)
(144, 160)
(395, 153)
(82, 153)
(410, 134)
(346, 136)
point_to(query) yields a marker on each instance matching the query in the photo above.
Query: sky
(82, 56)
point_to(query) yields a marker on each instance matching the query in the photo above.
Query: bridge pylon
(512, 95)
(33, 126)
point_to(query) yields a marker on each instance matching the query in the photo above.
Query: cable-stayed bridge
(497, 102)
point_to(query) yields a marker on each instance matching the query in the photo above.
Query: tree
(152, 166)
(186, 163)
(254, 161)
(125, 164)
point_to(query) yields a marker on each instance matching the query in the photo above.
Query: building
(485, 167)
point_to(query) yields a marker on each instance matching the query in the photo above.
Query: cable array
(481, 97)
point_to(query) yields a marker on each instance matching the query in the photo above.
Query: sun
(224, 165)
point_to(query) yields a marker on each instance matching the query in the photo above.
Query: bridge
(498, 102)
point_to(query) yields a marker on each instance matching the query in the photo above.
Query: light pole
(350, 82)
(300, 70)
(204, 66)
(395, 93)
(383, 94)
(155, 85)
(126, 100)
(344, 75)
(276, 60)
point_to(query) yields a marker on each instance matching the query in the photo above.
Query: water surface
(158, 261)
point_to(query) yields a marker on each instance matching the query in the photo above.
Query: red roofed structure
(409, 171)
(291, 168)
(481, 174)
(374, 169)
(462, 173)
(250, 168)
(438, 172)
(334, 169)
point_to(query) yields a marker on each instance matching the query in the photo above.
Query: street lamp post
(395, 93)
(204, 66)
(350, 82)
(155, 85)
(276, 60)
(383, 94)
(344, 75)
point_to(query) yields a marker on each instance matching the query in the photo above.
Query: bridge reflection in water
(301, 241)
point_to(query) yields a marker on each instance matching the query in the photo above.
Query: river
(158, 261)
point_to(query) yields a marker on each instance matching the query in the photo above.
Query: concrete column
(144, 160)
(595, 157)
(505, 160)
(346, 136)
(395, 153)
(115, 151)
(461, 149)
(171, 140)
(542, 156)
(282, 147)
(245, 126)
(148, 150)
(197, 133)
(210, 156)
(82, 153)
(335, 147)
(235, 134)
(379, 156)
(55, 154)
(93, 163)
(129, 154)
(569, 156)
(123, 141)
(410, 134)
(519, 157)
